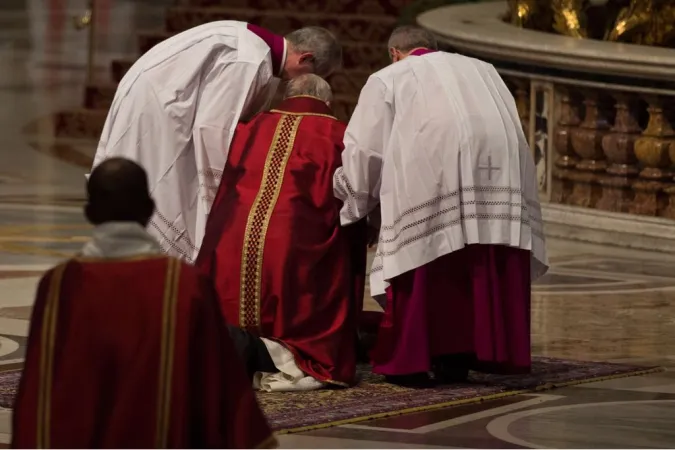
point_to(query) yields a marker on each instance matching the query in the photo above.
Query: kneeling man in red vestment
(127, 348)
(436, 143)
(282, 266)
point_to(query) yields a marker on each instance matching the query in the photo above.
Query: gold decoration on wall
(521, 11)
(644, 22)
(569, 18)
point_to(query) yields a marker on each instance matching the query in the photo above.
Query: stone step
(348, 27)
(100, 96)
(361, 7)
(78, 124)
(87, 124)
(349, 82)
(345, 81)
(343, 107)
(119, 67)
(357, 55)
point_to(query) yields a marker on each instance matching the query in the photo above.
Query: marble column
(587, 144)
(569, 117)
(618, 147)
(521, 93)
(652, 151)
(669, 190)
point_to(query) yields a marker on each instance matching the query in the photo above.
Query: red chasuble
(283, 267)
(132, 354)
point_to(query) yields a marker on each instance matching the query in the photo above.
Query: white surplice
(175, 112)
(437, 142)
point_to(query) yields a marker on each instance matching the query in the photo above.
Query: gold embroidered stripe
(167, 352)
(48, 337)
(280, 111)
(259, 218)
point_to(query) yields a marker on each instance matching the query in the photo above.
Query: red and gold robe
(282, 266)
(132, 354)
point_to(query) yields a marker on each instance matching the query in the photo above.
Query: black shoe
(364, 344)
(451, 375)
(450, 369)
(414, 380)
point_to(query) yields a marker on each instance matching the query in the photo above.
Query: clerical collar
(277, 45)
(421, 51)
(304, 105)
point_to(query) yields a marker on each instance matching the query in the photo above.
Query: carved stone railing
(610, 147)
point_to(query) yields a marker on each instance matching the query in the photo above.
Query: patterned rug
(373, 398)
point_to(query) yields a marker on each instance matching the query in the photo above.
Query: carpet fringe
(464, 401)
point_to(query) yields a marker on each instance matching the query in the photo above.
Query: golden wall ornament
(633, 22)
(569, 18)
(521, 12)
(645, 22)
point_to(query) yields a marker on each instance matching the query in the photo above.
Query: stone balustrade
(611, 147)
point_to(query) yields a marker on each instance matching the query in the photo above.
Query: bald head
(407, 38)
(312, 50)
(117, 191)
(311, 85)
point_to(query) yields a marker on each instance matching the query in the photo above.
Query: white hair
(409, 37)
(322, 44)
(311, 85)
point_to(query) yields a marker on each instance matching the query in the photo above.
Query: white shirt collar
(120, 240)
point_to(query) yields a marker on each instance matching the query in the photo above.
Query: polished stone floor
(598, 303)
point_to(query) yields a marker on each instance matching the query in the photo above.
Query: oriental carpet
(373, 398)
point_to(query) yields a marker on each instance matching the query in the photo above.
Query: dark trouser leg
(252, 351)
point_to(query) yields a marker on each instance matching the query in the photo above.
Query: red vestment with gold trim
(132, 354)
(283, 267)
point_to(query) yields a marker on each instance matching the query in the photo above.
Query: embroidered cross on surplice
(490, 168)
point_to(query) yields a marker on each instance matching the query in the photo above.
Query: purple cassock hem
(421, 51)
(473, 301)
(276, 44)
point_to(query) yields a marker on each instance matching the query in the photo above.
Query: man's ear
(306, 58)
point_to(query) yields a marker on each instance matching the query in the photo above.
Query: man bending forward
(436, 140)
(280, 262)
(176, 109)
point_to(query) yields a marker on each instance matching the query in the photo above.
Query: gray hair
(323, 46)
(409, 37)
(311, 85)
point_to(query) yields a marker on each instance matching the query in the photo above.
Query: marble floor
(598, 303)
